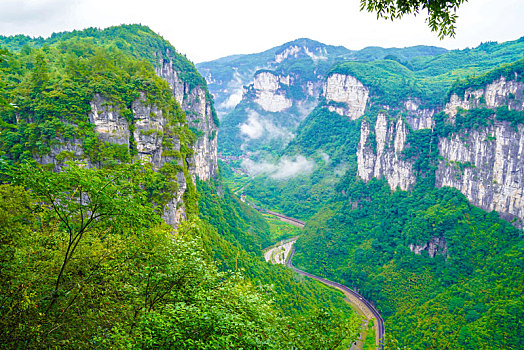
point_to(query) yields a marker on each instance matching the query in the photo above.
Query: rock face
(148, 130)
(486, 164)
(109, 124)
(349, 94)
(384, 161)
(418, 118)
(436, 245)
(499, 93)
(269, 93)
(200, 115)
(294, 51)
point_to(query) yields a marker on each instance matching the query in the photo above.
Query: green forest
(86, 260)
(468, 293)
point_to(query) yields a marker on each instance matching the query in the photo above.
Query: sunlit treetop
(441, 13)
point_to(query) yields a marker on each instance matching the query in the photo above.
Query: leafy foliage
(85, 259)
(441, 14)
(362, 240)
(50, 91)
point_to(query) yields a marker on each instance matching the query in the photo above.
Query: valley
(282, 253)
(402, 172)
(132, 182)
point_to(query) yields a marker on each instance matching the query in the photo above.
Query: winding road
(369, 311)
(364, 305)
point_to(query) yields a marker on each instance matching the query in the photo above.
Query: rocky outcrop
(200, 114)
(435, 246)
(487, 166)
(110, 125)
(500, 92)
(385, 159)
(345, 95)
(416, 117)
(269, 93)
(295, 51)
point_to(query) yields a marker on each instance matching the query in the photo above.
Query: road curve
(379, 321)
(293, 221)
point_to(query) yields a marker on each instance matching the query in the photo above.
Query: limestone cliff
(486, 164)
(501, 92)
(149, 131)
(418, 118)
(200, 114)
(345, 95)
(149, 134)
(384, 160)
(269, 92)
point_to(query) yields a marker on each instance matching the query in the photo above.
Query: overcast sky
(209, 29)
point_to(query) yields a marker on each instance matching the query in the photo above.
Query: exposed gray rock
(350, 95)
(487, 166)
(199, 113)
(385, 161)
(110, 125)
(436, 245)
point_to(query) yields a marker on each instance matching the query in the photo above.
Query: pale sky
(204, 30)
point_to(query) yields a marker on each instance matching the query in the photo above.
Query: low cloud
(235, 90)
(234, 98)
(257, 126)
(253, 128)
(286, 167)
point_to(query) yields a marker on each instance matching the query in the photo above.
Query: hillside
(263, 97)
(414, 194)
(116, 228)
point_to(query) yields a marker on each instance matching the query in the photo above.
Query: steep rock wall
(416, 117)
(384, 161)
(487, 166)
(348, 94)
(268, 92)
(200, 115)
(150, 130)
(500, 92)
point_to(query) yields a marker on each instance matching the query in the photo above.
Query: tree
(3, 58)
(441, 13)
(84, 200)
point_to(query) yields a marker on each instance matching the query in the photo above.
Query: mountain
(117, 230)
(263, 97)
(227, 76)
(327, 139)
(409, 177)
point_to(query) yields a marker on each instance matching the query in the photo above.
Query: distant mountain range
(226, 76)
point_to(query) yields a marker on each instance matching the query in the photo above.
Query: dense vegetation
(103, 271)
(86, 260)
(307, 63)
(467, 294)
(430, 78)
(50, 91)
(464, 297)
(331, 141)
(135, 41)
